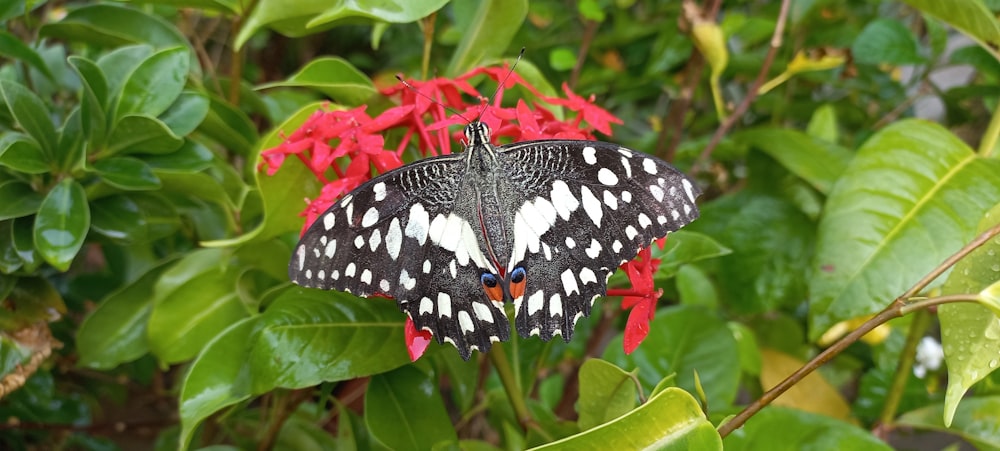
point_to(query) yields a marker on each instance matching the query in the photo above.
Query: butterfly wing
(589, 207)
(404, 234)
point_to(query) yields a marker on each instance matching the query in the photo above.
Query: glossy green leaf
(115, 332)
(606, 392)
(463, 378)
(21, 153)
(823, 125)
(799, 430)
(23, 242)
(62, 223)
(886, 41)
(230, 126)
(684, 339)
(970, 333)
(95, 99)
(282, 192)
(771, 241)
(972, 17)
(750, 356)
(332, 76)
(127, 173)
(133, 218)
(914, 193)
(190, 157)
(683, 247)
(186, 113)
(670, 420)
(118, 64)
(310, 336)
(487, 33)
(154, 84)
(404, 410)
(13, 48)
(17, 199)
(218, 377)
(187, 318)
(31, 115)
(9, 260)
(695, 287)
(302, 17)
(71, 145)
(142, 134)
(816, 161)
(975, 421)
(112, 25)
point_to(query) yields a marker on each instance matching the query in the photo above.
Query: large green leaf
(154, 84)
(606, 392)
(21, 153)
(115, 332)
(912, 196)
(13, 48)
(670, 420)
(218, 378)
(817, 161)
(303, 17)
(186, 113)
(62, 223)
(404, 410)
(975, 421)
(31, 114)
(126, 173)
(17, 199)
(93, 102)
(487, 33)
(970, 333)
(230, 126)
(780, 429)
(142, 134)
(972, 17)
(113, 25)
(310, 336)
(334, 77)
(684, 339)
(886, 41)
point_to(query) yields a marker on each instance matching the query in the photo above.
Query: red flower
(346, 144)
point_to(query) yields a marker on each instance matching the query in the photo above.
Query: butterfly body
(541, 224)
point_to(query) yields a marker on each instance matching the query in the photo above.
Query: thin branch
(589, 31)
(899, 307)
(741, 109)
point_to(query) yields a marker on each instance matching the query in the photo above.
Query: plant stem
(499, 358)
(989, 141)
(921, 320)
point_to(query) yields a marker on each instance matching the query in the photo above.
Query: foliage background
(142, 254)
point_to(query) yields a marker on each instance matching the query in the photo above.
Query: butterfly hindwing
(589, 207)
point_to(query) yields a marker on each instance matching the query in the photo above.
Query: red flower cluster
(341, 146)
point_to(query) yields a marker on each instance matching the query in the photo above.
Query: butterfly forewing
(542, 224)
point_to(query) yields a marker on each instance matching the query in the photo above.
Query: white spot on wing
(590, 155)
(328, 220)
(675, 214)
(607, 177)
(616, 246)
(610, 200)
(454, 270)
(379, 190)
(569, 282)
(366, 276)
(594, 250)
(349, 271)
(687, 210)
(661, 219)
(349, 214)
(631, 232)
(627, 196)
(688, 189)
(657, 192)
(375, 240)
(587, 276)
(649, 166)
(644, 221)
(417, 224)
(335, 275)
(546, 209)
(535, 302)
(301, 253)
(370, 217)
(384, 285)
(437, 228)
(309, 274)
(394, 239)
(465, 322)
(628, 167)
(427, 266)
(563, 200)
(406, 281)
(570, 242)
(625, 152)
(426, 306)
(591, 205)
(555, 305)
(331, 248)
(359, 242)
(482, 312)
(444, 305)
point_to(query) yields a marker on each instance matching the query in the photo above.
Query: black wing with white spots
(587, 208)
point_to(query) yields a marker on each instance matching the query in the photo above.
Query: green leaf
(230, 126)
(332, 76)
(218, 378)
(71, 144)
(17, 199)
(684, 339)
(184, 320)
(133, 218)
(303, 17)
(115, 332)
(186, 113)
(23, 242)
(670, 420)
(750, 355)
(970, 333)
(886, 41)
(799, 430)
(118, 64)
(975, 421)
(404, 410)
(694, 287)
(823, 125)
(62, 223)
(142, 134)
(606, 392)
(489, 32)
(562, 59)
(94, 116)
(21, 153)
(282, 193)
(914, 194)
(31, 115)
(130, 174)
(111, 25)
(816, 161)
(971, 17)
(13, 48)
(310, 336)
(154, 84)
(189, 158)
(9, 260)
(683, 247)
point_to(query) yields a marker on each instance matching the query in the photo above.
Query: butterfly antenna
(433, 100)
(501, 85)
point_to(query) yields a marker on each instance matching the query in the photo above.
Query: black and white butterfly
(542, 224)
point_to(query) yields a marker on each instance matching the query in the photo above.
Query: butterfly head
(497, 289)
(477, 134)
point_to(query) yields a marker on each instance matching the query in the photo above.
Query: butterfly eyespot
(517, 275)
(492, 287)
(489, 280)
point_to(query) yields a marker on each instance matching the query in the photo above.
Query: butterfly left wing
(589, 207)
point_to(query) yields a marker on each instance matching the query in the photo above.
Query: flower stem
(499, 358)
